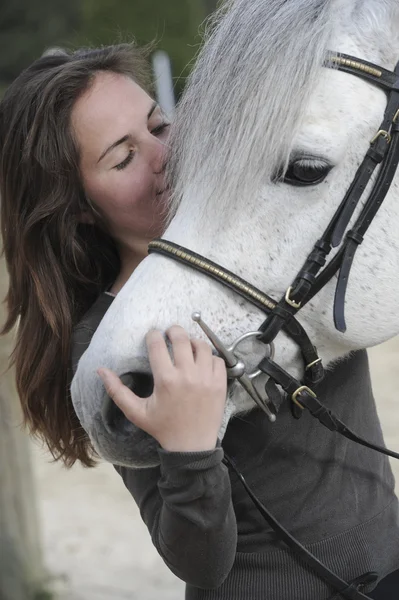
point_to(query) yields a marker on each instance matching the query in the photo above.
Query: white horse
(260, 102)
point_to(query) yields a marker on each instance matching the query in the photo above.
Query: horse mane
(245, 97)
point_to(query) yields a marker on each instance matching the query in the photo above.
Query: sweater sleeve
(187, 507)
(185, 502)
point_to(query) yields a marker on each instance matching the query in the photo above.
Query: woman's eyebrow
(125, 138)
(114, 145)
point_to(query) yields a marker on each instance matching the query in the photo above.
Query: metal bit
(235, 367)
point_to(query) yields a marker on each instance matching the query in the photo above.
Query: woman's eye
(160, 128)
(306, 172)
(126, 162)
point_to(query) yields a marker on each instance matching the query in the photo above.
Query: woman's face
(121, 134)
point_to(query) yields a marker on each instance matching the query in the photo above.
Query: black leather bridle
(312, 277)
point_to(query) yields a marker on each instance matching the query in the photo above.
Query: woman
(85, 200)
(82, 155)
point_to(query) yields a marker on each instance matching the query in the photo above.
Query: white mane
(216, 134)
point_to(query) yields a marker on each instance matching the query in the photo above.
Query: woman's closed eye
(160, 128)
(122, 165)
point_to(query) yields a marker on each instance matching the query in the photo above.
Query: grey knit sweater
(336, 497)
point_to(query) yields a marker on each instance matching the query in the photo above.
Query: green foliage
(28, 27)
(44, 595)
(172, 24)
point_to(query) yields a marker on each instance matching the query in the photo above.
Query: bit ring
(246, 336)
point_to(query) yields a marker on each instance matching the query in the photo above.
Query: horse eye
(306, 171)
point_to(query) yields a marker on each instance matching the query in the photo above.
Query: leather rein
(312, 277)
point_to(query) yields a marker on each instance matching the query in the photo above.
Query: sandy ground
(95, 544)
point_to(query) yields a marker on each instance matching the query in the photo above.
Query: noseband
(312, 277)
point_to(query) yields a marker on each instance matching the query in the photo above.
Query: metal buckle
(396, 117)
(291, 302)
(303, 388)
(384, 134)
(313, 363)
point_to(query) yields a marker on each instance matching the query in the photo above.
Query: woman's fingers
(219, 370)
(186, 408)
(186, 352)
(181, 347)
(131, 405)
(202, 355)
(158, 354)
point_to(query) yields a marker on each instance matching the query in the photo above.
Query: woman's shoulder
(85, 329)
(94, 315)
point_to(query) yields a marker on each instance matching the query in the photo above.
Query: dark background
(29, 27)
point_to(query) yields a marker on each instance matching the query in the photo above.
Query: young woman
(82, 158)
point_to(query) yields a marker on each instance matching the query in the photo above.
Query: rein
(312, 277)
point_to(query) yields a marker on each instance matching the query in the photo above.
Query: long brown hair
(57, 265)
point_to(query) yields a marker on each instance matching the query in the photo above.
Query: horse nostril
(141, 384)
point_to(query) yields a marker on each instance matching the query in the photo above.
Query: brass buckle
(396, 117)
(313, 363)
(303, 388)
(384, 134)
(291, 302)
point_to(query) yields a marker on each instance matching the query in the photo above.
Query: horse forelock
(246, 95)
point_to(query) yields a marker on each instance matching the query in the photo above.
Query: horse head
(266, 143)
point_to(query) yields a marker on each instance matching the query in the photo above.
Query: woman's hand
(186, 408)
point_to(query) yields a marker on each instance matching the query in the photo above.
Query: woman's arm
(186, 505)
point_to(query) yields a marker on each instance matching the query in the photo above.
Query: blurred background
(30, 27)
(77, 534)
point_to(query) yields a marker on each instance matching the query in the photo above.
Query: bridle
(312, 277)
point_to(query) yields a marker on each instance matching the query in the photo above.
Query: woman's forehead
(108, 95)
(113, 106)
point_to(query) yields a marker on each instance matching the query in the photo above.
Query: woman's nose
(157, 155)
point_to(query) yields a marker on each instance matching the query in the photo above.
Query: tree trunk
(21, 567)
